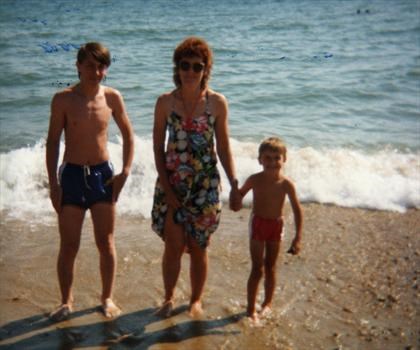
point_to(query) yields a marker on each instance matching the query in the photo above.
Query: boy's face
(91, 71)
(271, 161)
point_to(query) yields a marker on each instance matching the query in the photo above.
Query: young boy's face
(271, 161)
(91, 70)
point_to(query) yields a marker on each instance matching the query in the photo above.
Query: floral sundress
(191, 164)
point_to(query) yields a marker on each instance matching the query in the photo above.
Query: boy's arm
(298, 215)
(244, 190)
(55, 129)
(123, 122)
(246, 187)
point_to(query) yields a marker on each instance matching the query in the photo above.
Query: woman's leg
(198, 275)
(171, 261)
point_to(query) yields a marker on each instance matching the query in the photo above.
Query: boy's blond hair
(273, 144)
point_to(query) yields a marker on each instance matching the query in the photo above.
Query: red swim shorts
(266, 229)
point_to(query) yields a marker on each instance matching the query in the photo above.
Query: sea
(338, 81)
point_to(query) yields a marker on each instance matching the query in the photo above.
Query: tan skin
(189, 100)
(270, 189)
(83, 113)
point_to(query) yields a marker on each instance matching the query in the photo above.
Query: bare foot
(266, 311)
(254, 320)
(62, 313)
(165, 310)
(109, 309)
(196, 310)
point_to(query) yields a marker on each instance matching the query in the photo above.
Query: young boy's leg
(70, 221)
(103, 217)
(257, 259)
(271, 253)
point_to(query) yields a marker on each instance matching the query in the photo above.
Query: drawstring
(86, 172)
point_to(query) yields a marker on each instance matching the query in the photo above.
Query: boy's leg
(198, 275)
(171, 261)
(103, 218)
(271, 253)
(70, 221)
(257, 259)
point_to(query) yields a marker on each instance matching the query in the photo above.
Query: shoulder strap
(173, 101)
(207, 110)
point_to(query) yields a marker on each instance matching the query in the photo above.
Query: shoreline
(354, 285)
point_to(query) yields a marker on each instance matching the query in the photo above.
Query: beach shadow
(126, 332)
(36, 322)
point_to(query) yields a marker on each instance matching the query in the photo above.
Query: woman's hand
(172, 200)
(235, 199)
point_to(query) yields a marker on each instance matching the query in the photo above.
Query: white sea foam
(385, 180)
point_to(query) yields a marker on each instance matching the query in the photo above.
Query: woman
(186, 208)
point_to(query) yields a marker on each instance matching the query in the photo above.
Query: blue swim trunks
(85, 185)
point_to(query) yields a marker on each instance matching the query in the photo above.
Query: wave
(382, 180)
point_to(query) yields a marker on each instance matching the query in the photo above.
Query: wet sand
(354, 286)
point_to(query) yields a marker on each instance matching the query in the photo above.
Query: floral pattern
(192, 170)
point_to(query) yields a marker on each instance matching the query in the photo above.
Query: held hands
(235, 198)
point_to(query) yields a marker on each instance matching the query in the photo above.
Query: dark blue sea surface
(338, 80)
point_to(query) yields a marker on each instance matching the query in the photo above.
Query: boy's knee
(106, 247)
(69, 249)
(269, 267)
(257, 271)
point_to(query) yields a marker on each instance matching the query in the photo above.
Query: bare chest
(269, 192)
(269, 189)
(94, 113)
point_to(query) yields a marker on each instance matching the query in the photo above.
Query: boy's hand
(117, 183)
(294, 248)
(55, 196)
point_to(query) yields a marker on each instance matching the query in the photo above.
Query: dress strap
(173, 101)
(207, 110)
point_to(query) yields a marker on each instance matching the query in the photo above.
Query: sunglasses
(196, 67)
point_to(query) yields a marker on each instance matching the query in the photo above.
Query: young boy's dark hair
(99, 52)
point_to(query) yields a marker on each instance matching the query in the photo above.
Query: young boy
(86, 178)
(270, 188)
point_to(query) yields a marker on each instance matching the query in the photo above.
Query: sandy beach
(354, 286)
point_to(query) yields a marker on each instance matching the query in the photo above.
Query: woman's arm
(224, 152)
(159, 134)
